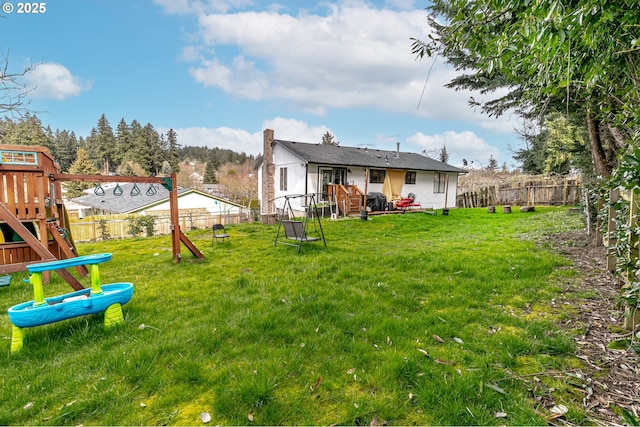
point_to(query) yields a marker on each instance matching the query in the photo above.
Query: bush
(138, 224)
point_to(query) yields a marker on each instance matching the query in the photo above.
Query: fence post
(614, 194)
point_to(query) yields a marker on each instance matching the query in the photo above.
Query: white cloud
(250, 143)
(237, 140)
(200, 6)
(51, 80)
(295, 130)
(354, 56)
(460, 145)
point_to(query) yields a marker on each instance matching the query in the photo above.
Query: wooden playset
(34, 236)
(33, 219)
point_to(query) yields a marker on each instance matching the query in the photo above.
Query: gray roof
(365, 157)
(127, 202)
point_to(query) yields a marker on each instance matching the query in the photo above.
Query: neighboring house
(144, 199)
(290, 168)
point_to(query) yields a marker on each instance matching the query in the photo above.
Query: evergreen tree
(28, 131)
(328, 139)
(66, 148)
(174, 153)
(154, 149)
(492, 166)
(91, 147)
(139, 151)
(443, 155)
(105, 144)
(123, 142)
(82, 165)
(210, 171)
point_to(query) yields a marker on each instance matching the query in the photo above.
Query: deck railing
(347, 197)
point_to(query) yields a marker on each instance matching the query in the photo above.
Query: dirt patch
(610, 382)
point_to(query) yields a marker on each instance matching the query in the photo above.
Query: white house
(136, 199)
(290, 168)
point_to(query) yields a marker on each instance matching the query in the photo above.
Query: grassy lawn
(402, 319)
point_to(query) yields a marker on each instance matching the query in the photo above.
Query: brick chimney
(268, 177)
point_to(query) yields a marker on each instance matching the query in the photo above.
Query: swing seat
(294, 230)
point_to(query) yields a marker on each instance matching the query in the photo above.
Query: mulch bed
(610, 381)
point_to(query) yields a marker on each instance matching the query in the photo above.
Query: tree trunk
(618, 136)
(600, 164)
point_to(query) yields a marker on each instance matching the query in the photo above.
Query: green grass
(257, 334)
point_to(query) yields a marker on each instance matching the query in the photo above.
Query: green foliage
(329, 139)
(492, 165)
(82, 165)
(625, 180)
(103, 229)
(141, 223)
(173, 155)
(26, 131)
(132, 144)
(558, 148)
(443, 154)
(259, 334)
(580, 58)
(210, 171)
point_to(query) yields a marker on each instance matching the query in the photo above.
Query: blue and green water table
(107, 299)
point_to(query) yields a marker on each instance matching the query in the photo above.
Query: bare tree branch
(14, 90)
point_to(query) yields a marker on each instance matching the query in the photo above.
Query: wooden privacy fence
(537, 191)
(117, 226)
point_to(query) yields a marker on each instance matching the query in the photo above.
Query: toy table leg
(113, 315)
(17, 337)
(94, 274)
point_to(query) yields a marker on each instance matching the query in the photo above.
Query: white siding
(199, 201)
(296, 177)
(423, 188)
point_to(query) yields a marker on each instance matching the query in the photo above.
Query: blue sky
(219, 72)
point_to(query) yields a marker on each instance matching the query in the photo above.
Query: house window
(283, 179)
(376, 176)
(439, 181)
(410, 177)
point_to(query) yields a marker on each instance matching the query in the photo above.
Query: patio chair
(219, 233)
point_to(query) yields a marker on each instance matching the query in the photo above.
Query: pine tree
(123, 142)
(139, 151)
(105, 144)
(210, 171)
(66, 148)
(91, 147)
(492, 166)
(154, 149)
(328, 139)
(174, 153)
(82, 165)
(443, 155)
(28, 131)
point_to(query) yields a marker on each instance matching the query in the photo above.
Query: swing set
(307, 229)
(34, 221)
